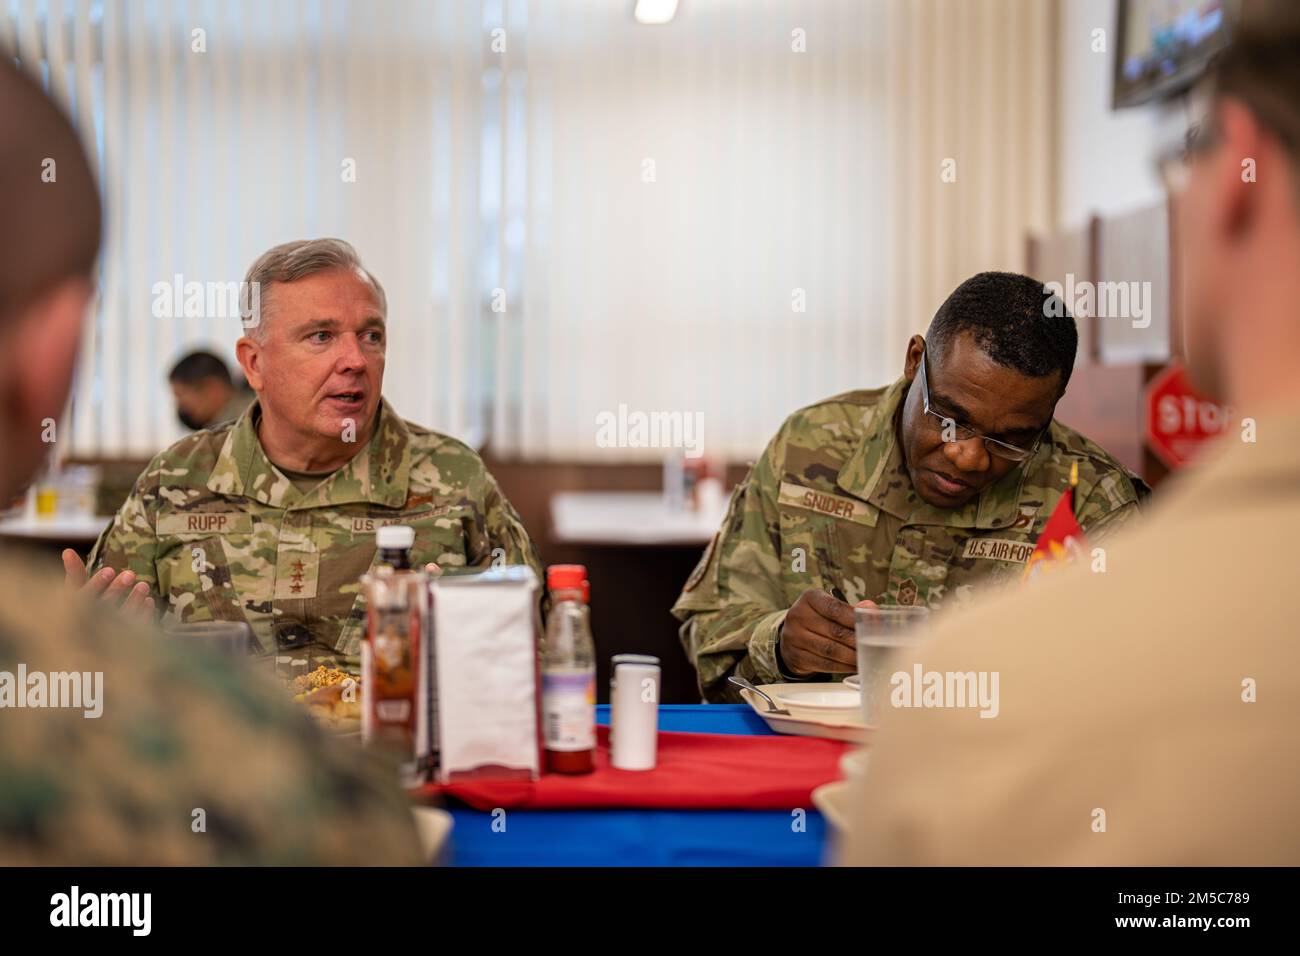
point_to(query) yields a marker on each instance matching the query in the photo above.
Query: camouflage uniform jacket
(185, 758)
(830, 505)
(220, 533)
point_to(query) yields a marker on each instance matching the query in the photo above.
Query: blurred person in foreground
(271, 519)
(117, 746)
(1148, 714)
(913, 494)
(204, 391)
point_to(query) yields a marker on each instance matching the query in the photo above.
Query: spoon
(771, 704)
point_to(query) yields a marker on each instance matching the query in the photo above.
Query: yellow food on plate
(332, 696)
(321, 677)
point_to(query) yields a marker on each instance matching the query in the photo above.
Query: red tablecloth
(694, 771)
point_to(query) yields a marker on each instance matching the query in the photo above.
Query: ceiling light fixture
(655, 12)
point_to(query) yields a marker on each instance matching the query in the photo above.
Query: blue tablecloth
(647, 837)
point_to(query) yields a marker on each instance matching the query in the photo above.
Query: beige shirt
(1122, 736)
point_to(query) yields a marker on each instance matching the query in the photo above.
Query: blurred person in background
(271, 519)
(166, 755)
(1148, 714)
(205, 393)
(912, 494)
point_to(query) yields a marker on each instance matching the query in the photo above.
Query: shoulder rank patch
(1026, 517)
(907, 592)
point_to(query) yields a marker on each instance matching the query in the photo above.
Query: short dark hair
(1261, 67)
(1015, 320)
(198, 366)
(49, 230)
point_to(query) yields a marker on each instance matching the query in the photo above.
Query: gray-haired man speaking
(271, 519)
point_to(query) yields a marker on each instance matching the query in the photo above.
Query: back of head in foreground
(119, 747)
(1143, 700)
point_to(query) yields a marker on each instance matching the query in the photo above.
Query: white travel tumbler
(633, 711)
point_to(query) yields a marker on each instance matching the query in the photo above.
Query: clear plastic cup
(234, 638)
(881, 633)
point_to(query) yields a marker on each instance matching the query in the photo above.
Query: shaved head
(50, 218)
(49, 239)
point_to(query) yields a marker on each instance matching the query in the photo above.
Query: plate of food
(829, 701)
(332, 697)
(833, 725)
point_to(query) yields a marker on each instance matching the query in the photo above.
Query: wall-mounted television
(1163, 45)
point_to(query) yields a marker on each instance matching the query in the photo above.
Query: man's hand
(818, 636)
(133, 595)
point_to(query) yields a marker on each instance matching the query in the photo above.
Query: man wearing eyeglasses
(912, 494)
(1159, 729)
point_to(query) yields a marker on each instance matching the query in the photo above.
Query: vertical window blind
(732, 215)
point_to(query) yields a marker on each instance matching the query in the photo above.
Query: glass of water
(881, 633)
(234, 638)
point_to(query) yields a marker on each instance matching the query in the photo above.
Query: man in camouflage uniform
(1154, 711)
(871, 495)
(271, 520)
(182, 759)
(204, 391)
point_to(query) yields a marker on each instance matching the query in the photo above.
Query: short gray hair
(295, 260)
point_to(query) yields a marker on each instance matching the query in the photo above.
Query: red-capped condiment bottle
(396, 608)
(569, 674)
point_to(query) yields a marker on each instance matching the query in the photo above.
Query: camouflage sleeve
(1112, 503)
(173, 756)
(130, 542)
(733, 606)
(505, 531)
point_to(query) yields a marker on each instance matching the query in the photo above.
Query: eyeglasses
(949, 426)
(1174, 165)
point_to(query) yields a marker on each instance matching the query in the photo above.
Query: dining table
(633, 837)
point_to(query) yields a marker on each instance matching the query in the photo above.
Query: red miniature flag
(1062, 539)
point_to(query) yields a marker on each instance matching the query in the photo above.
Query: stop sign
(1179, 420)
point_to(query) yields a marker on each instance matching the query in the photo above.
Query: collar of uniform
(1238, 466)
(379, 474)
(876, 473)
(871, 472)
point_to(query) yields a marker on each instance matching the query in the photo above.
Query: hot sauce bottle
(569, 674)
(391, 650)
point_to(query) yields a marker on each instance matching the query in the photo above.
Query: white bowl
(821, 700)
